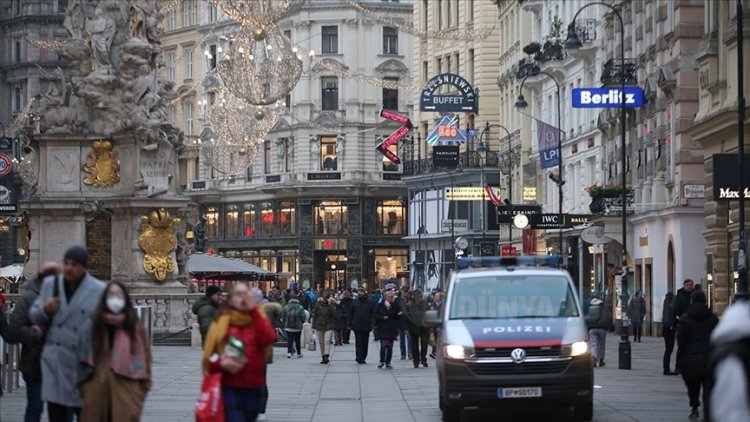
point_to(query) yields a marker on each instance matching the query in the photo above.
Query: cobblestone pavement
(303, 390)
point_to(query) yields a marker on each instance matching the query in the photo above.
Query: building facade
(319, 204)
(715, 128)
(23, 24)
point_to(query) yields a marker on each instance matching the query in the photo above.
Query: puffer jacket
(205, 310)
(324, 317)
(694, 337)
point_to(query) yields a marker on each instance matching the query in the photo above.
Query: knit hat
(77, 254)
(212, 290)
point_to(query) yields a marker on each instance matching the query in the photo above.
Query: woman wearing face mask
(387, 316)
(244, 377)
(115, 361)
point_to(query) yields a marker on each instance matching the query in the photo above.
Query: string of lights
(239, 123)
(262, 14)
(228, 158)
(453, 34)
(46, 44)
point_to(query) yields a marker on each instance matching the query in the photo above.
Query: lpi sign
(608, 97)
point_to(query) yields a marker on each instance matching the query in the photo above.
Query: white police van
(512, 333)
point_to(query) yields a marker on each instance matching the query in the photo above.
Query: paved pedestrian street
(304, 390)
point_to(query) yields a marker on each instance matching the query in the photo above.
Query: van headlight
(455, 351)
(576, 349)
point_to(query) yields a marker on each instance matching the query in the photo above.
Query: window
(439, 65)
(330, 93)
(328, 158)
(289, 262)
(62, 6)
(449, 10)
(211, 98)
(18, 7)
(470, 15)
(188, 118)
(266, 156)
(390, 96)
(212, 223)
(288, 155)
(457, 61)
(331, 218)
(248, 220)
(212, 57)
(440, 14)
(189, 13)
(425, 71)
(288, 101)
(172, 114)
(330, 39)
(390, 40)
(391, 217)
(172, 22)
(189, 65)
(448, 64)
(288, 33)
(389, 165)
(287, 218)
(232, 222)
(17, 95)
(470, 70)
(266, 219)
(171, 71)
(213, 13)
(425, 10)
(18, 51)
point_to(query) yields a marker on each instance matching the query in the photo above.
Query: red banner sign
(395, 136)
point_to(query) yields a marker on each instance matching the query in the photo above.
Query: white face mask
(115, 304)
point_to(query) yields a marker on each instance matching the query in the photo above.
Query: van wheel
(451, 413)
(584, 411)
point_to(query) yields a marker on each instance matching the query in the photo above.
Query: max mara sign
(727, 176)
(465, 99)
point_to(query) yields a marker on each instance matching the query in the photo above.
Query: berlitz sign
(726, 178)
(608, 97)
(465, 99)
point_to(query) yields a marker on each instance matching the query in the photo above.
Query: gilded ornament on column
(158, 240)
(102, 165)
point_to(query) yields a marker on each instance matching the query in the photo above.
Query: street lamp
(481, 151)
(521, 104)
(486, 130)
(572, 43)
(458, 169)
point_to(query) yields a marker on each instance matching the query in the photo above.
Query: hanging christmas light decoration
(260, 68)
(258, 13)
(239, 123)
(229, 158)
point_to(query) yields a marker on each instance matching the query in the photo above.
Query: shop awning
(204, 263)
(12, 273)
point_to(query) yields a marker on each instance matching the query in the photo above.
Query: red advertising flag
(529, 242)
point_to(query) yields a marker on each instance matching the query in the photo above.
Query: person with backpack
(694, 339)
(293, 316)
(599, 322)
(730, 395)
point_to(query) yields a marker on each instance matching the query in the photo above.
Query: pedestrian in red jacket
(244, 376)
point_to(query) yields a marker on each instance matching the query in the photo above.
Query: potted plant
(532, 48)
(553, 48)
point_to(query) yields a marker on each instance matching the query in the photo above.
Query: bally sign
(608, 97)
(464, 100)
(395, 136)
(726, 177)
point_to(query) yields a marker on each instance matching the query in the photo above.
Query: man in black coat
(694, 339)
(360, 320)
(680, 307)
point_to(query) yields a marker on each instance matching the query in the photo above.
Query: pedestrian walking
(324, 320)
(680, 306)
(730, 395)
(294, 319)
(599, 322)
(360, 321)
(114, 372)
(418, 331)
(242, 322)
(668, 332)
(31, 337)
(637, 312)
(694, 339)
(404, 339)
(205, 309)
(436, 305)
(65, 304)
(387, 318)
(343, 310)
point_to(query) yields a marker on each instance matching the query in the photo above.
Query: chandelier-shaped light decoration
(228, 158)
(262, 67)
(262, 13)
(237, 122)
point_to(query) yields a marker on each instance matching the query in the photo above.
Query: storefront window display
(268, 260)
(267, 219)
(212, 223)
(251, 257)
(287, 218)
(328, 153)
(289, 262)
(331, 218)
(390, 266)
(232, 221)
(248, 220)
(391, 217)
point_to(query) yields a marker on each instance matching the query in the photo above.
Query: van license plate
(519, 393)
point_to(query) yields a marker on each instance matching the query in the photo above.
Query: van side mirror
(432, 319)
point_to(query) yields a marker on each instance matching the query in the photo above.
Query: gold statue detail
(102, 165)
(158, 240)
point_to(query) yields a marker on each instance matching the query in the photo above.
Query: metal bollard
(145, 315)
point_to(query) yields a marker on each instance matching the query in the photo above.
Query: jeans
(419, 355)
(668, 334)
(598, 338)
(404, 341)
(34, 403)
(324, 341)
(360, 345)
(60, 413)
(293, 342)
(386, 351)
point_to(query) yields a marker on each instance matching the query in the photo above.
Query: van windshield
(511, 296)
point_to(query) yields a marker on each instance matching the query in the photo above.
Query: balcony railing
(611, 206)
(615, 68)
(467, 160)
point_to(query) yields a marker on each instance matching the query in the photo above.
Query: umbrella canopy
(203, 263)
(12, 272)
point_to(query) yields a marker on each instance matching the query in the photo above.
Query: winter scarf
(217, 337)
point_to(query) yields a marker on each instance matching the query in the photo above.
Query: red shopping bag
(210, 404)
